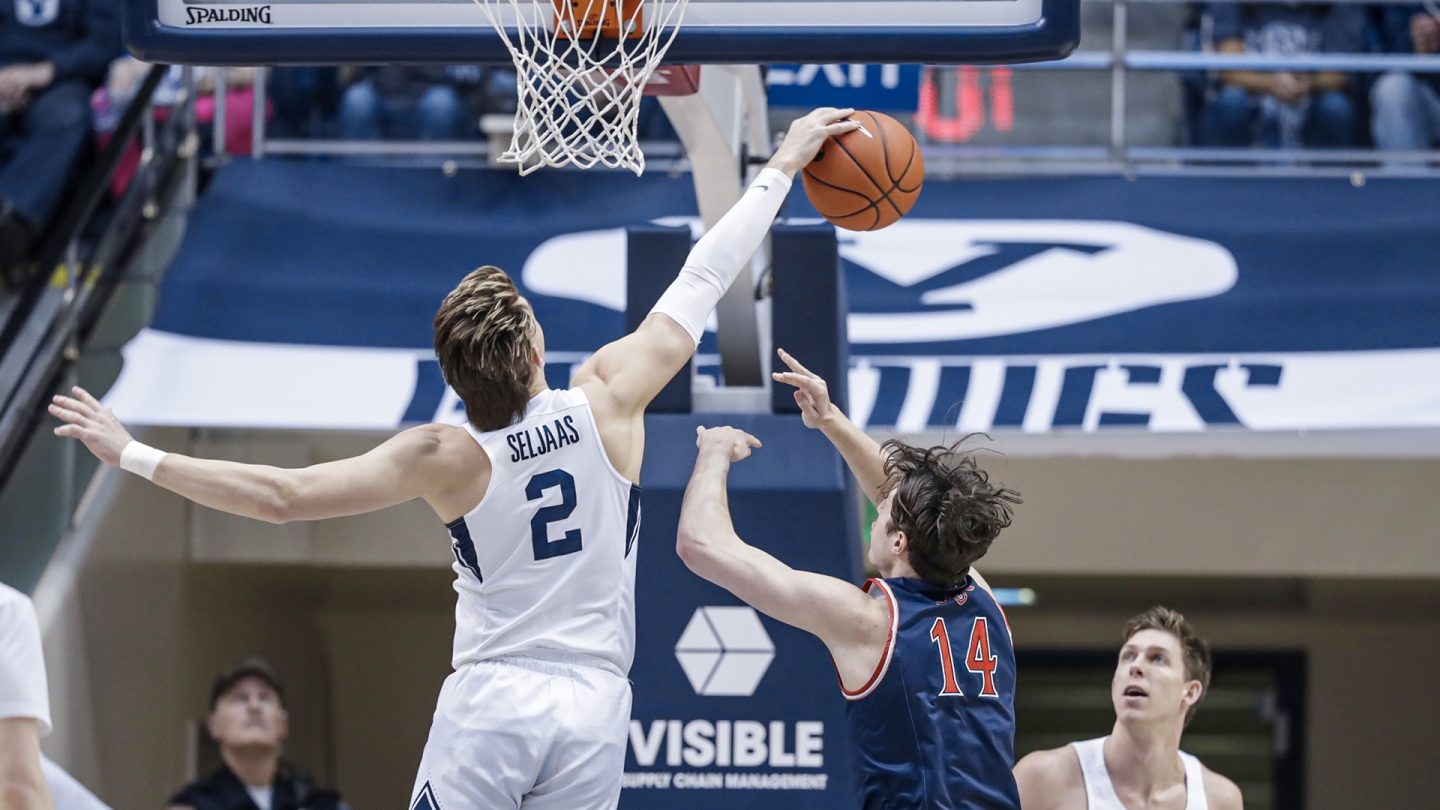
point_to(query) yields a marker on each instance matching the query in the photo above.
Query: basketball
(868, 178)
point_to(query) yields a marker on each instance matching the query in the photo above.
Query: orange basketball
(866, 179)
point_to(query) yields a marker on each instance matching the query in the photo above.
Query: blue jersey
(934, 727)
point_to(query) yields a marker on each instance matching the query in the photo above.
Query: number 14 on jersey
(978, 659)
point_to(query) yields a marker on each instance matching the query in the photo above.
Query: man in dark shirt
(53, 53)
(1291, 108)
(1405, 107)
(248, 720)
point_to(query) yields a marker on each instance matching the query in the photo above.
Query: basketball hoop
(581, 68)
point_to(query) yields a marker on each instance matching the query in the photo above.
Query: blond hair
(484, 336)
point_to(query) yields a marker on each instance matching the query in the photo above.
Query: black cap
(251, 666)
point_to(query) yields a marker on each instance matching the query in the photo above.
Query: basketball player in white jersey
(1163, 672)
(539, 493)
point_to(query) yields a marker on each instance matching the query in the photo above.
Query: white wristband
(141, 459)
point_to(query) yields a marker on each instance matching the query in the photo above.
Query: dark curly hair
(946, 506)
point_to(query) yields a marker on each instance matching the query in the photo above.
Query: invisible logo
(724, 651)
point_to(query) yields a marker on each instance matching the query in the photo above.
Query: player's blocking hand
(92, 423)
(735, 443)
(807, 134)
(812, 394)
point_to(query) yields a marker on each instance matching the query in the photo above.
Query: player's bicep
(832, 609)
(633, 369)
(407, 466)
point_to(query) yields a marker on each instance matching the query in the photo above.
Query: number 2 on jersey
(978, 658)
(545, 548)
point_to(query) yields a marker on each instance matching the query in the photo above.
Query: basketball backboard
(279, 32)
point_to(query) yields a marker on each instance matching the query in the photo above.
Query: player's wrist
(141, 459)
(833, 419)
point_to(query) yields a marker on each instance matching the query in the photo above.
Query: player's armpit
(622, 377)
(1050, 780)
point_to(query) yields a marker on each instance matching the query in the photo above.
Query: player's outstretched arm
(417, 463)
(629, 372)
(860, 452)
(853, 625)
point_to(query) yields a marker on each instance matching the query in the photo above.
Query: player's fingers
(85, 397)
(66, 413)
(793, 363)
(68, 430)
(750, 440)
(71, 404)
(841, 127)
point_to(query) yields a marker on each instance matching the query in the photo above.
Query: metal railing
(78, 272)
(1119, 156)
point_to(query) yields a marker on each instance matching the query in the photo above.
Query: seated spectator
(52, 54)
(1284, 109)
(306, 101)
(248, 720)
(1405, 107)
(406, 102)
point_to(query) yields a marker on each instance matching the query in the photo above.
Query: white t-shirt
(23, 692)
(262, 796)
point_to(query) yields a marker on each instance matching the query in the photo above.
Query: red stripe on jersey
(889, 652)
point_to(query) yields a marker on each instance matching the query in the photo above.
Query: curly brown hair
(946, 506)
(484, 333)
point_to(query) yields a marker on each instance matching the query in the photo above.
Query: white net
(581, 69)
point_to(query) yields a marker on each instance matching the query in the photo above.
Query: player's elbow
(278, 501)
(693, 545)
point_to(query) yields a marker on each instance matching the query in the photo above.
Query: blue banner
(1086, 304)
(888, 88)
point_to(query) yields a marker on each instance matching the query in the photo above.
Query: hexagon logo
(724, 651)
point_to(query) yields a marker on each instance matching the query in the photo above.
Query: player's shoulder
(447, 447)
(1050, 779)
(1220, 792)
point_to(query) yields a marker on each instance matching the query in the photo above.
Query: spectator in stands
(52, 54)
(1405, 107)
(1285, 109)
(404, 102)
(306, 100)
(248, 720)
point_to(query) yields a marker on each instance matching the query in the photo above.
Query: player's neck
(538, 385)
(897, 567)
(1145, 757)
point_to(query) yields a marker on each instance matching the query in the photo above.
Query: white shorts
(544, 733)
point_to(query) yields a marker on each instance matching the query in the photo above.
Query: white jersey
(1100, 793)
(546, 560)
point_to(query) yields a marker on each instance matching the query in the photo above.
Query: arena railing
(80, 271)
(1119, 156)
